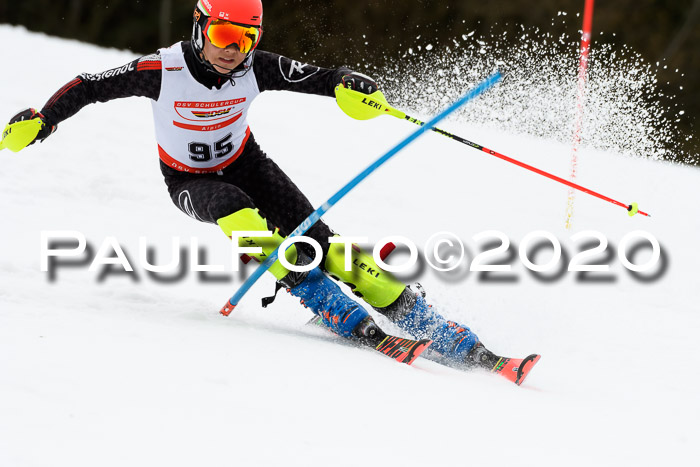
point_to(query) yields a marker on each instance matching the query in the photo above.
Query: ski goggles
(225, 33)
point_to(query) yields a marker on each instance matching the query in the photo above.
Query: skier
(216, 172)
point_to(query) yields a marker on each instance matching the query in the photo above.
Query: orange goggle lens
(223, 34)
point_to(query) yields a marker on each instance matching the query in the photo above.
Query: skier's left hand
(359, 82)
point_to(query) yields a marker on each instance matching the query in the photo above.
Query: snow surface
(132, 371)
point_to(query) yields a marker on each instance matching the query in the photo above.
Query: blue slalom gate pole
(318, 213)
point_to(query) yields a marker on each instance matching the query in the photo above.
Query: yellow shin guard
(250, 220)
(376, 286)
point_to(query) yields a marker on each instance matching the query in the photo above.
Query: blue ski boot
(324, 297)
(455, 342)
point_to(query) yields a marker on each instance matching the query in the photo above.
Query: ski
(515, 369)
(407, 350)
(403, 350)
(400, 349)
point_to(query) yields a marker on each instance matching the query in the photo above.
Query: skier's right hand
(359, 82)
(24, 129)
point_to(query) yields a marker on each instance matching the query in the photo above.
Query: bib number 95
(203, 152)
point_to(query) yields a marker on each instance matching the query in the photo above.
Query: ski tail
(516, 369)
(403, 350)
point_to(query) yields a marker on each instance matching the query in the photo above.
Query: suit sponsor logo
(294, 72)
(185, 202)
(174, 68)
(110, 73)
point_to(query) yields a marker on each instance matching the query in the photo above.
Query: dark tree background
(334, 32)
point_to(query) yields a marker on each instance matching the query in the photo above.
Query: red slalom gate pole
(632, 209)
(578, 120)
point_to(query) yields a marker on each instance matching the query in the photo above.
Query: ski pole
(363, 107)
(316, 215)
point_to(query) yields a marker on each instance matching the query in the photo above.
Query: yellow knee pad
(250, 220)
(376, 286)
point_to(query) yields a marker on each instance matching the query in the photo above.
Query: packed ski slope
(129, 370)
